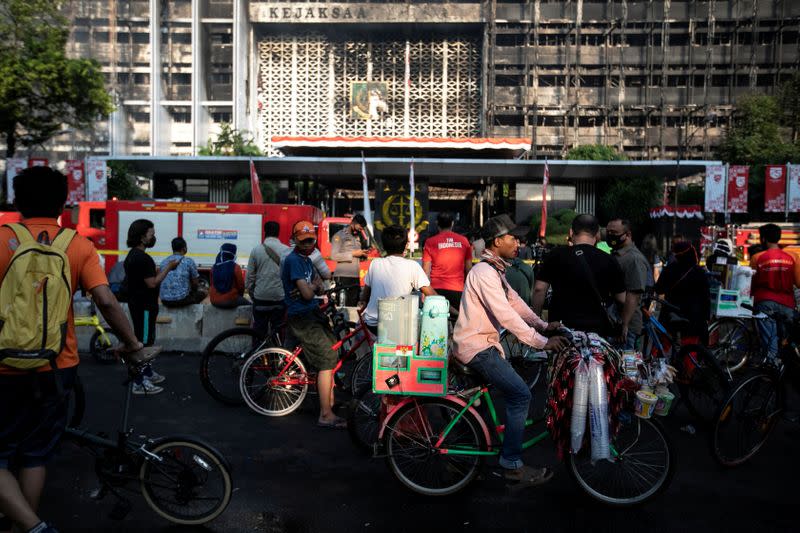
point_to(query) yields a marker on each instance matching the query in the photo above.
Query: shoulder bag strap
(590, 276)
(271, 253)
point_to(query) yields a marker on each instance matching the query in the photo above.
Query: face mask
(615, 241)
(151, 243)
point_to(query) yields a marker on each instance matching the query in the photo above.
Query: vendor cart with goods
(435, 439)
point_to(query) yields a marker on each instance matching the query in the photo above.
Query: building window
(223, 78)
(141, 78)
(182, 38)
(218, 117)
(139, 116)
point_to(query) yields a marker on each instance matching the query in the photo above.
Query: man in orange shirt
(446, 259)
(33, 413)
(777, 274)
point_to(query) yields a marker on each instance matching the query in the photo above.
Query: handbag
(611, 313)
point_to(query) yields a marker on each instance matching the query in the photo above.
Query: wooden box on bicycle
(400, 370)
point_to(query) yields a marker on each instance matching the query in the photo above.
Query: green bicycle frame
(498, 429)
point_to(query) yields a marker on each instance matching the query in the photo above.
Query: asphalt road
(291, 476)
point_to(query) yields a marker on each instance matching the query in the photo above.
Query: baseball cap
(303, 230)
(500, 225)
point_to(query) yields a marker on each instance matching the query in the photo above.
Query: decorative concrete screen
(424, 86)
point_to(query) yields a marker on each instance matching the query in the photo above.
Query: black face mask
(150, 243)
(616, 241)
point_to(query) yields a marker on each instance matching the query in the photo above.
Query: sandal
(527, 476)
(336, 423)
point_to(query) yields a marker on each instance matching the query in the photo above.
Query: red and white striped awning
(470, 143)
(684, 211)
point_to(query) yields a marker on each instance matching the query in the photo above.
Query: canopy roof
(347, 170)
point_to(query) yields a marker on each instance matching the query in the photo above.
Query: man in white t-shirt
(393, 275)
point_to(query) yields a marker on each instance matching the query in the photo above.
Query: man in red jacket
(777, 274)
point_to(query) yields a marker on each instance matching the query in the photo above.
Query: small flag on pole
(412, 231)
(254, 185)
(365, 188)
(545, 183)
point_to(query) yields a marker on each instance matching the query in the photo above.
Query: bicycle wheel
(410, 441)
(702, 382)
(189, 483)
(270, 387)
(222, 362)
(746, 419)
(364, 420)
(643, 465)
(731, 342)
(361, 380)
(76, 404)
(102, 349)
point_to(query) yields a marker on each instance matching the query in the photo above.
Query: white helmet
(723, 247)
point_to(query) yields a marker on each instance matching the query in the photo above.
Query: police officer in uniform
(349, 246)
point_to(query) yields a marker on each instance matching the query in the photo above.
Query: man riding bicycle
(488, 304)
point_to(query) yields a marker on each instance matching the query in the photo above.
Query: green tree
(121, 184)
(41, 89)
(595, 152)
(631, 198)
(558, 225)
(231, 142)
(241, 192)
(789, 103)
(757, 139)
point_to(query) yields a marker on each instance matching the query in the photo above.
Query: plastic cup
(645, 404)
(664, 404)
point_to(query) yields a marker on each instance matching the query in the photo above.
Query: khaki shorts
(316, 339)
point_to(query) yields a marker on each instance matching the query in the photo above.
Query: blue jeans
(499, 372)
(772, 331)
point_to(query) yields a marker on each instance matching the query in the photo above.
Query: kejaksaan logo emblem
(775, 173)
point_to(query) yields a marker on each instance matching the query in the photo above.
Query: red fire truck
(204, 226)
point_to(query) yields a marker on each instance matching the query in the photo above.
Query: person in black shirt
(143, 280)
(685, 285)
(574, 301)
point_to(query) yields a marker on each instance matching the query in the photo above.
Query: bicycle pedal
(120, 510)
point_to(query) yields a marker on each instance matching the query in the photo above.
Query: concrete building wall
(652, 77)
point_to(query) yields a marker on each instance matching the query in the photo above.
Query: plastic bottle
(598, 412)
(580, 404)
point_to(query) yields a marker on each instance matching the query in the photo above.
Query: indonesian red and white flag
(545, 183)
(254, 185)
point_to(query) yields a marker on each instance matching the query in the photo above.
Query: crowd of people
(588, 288)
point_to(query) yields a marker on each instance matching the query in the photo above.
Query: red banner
(775, 189)
(738, 177)
(75, 181)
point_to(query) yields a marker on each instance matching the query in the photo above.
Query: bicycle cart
(436, 446)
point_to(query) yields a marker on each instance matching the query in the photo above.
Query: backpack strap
(63, 239)
(22, 232)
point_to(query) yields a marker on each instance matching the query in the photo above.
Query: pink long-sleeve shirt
(485, 309)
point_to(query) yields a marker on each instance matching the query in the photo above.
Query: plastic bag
(598, 412)
(580, 404)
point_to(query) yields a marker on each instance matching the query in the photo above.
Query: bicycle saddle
(463, 370)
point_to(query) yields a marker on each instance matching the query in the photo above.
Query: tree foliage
(121, 183)
(631, 198)
(595, 152)
(231, 142)
(789, 104)
(41, 89)
(757, 138)
(241, 192)
(558, 225)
